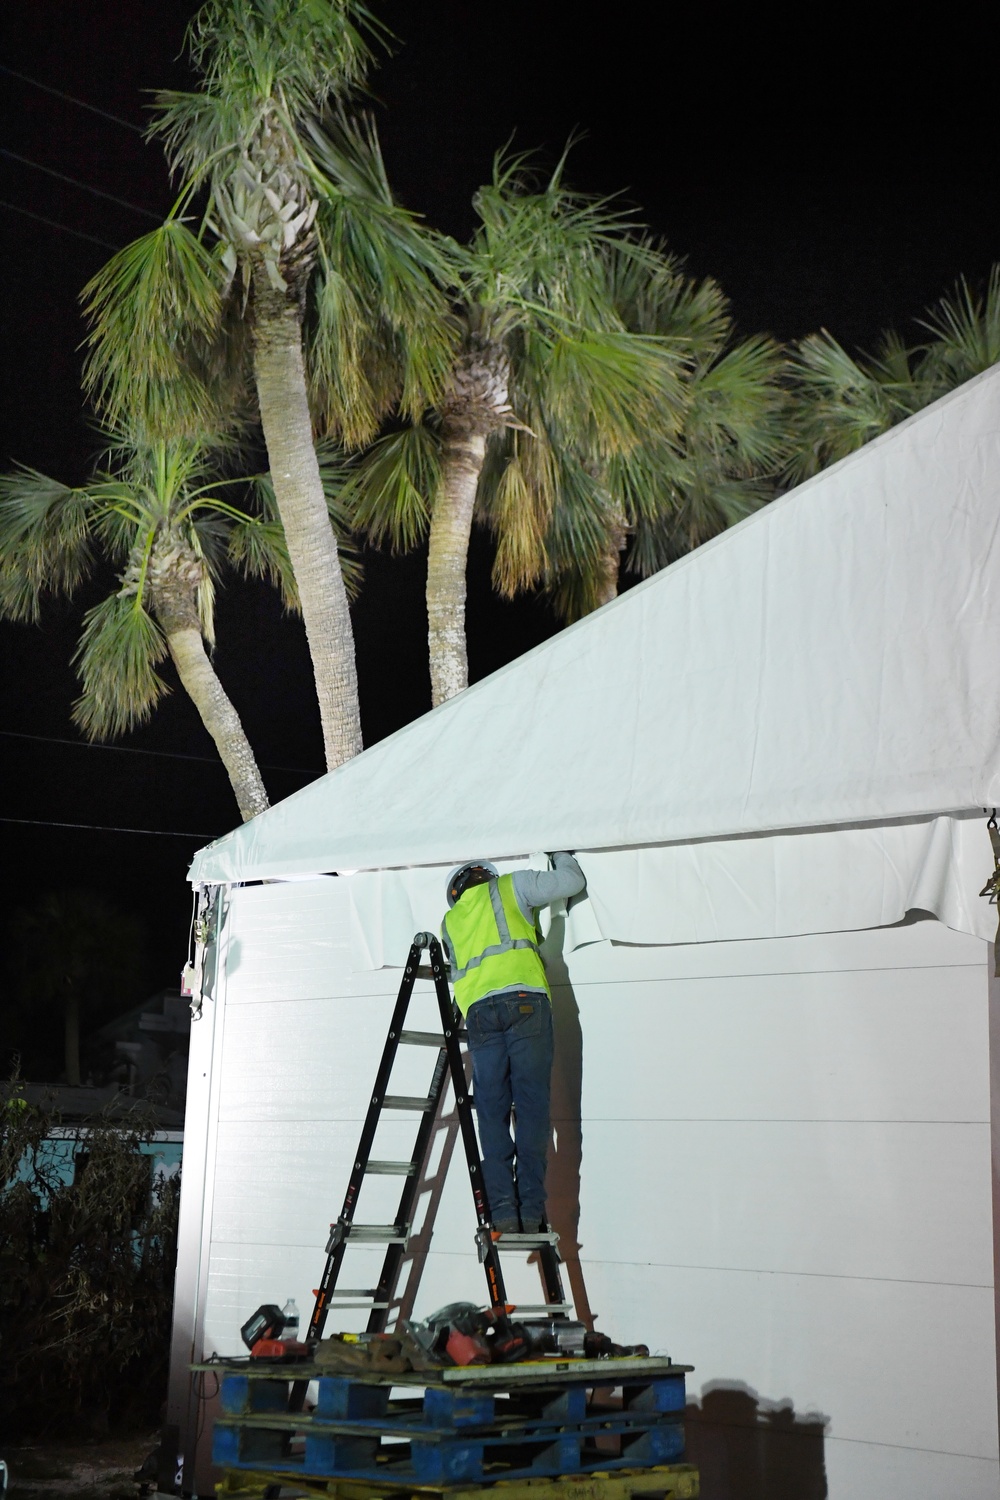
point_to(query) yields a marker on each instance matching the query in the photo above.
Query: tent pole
(994, 1013)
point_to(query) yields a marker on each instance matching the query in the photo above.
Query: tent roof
(832, 659)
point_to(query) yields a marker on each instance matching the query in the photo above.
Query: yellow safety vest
(493, 945)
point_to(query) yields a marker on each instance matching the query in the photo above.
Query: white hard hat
(459, 870)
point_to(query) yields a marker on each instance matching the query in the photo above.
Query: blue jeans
(510, 1041)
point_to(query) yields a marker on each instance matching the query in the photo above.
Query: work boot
(507, 1224)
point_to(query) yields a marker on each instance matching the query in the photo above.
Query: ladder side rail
(338, 1237)
(548, 1266)
(450, 1026)
(385, 1291)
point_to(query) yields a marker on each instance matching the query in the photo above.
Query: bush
(86, 1273)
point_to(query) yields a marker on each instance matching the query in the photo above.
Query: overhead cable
(71, 99)
(210, 760)
(170, 833)
(75, 182)
(54, 224)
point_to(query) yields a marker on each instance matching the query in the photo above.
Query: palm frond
(389, 492)
(898, 364)
(738, 408)
(520, 525)
(574, 594)
(257, 544)
(702, 511)
(582, 543)
(839, 404)
(304, 50)
(540, 245)
(45, 544)
(580, 527)
(652, 294)
(152, 308)
(351, 387)
(648, 482)
(119, 651)
(257, 548)
(201, 132)
(965, 334)
(383, 277)
(611, 386)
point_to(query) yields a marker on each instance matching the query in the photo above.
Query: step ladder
(450, 1062)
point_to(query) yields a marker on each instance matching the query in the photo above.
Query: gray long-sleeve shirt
(535, 888)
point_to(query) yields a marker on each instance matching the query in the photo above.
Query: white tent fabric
(832, 660)
(720, 890)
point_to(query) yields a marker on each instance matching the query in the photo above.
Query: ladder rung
(391, 1168)
(422, 1039)
(541, 1310)
(428, 1038)
(353, 1291)
(368, 1306)
(526, 1241)
(383, 1233)
(406, 1101)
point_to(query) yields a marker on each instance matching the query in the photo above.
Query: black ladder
(450, 1060)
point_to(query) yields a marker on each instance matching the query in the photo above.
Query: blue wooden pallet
(450, 1436)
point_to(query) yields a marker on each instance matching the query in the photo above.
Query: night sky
(840, 177)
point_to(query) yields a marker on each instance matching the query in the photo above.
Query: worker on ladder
(491, 939)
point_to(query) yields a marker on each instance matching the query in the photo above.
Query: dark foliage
(86, 1273)
(62, 949)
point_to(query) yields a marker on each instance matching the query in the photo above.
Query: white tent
(771, 1146)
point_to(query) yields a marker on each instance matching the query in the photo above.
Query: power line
(170, 833)
(209, 760)
(52, 224)
(74, 182)
(48, 89)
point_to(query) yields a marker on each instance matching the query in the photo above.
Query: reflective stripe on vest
(493, 944)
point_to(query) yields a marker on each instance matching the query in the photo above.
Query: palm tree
(842, 402)
(965, 334)
(160, 513)
(544, 361)
(680, 486)
(300, 238)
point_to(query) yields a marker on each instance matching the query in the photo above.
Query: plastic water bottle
(290, 1314)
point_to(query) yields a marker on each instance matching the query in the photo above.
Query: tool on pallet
(471, 1335)
(450, 1062)
(272, 1332)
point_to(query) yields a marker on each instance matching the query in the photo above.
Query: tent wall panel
(869, 1471)
(299, 1074)
(716, 1194)
(919, 942)
(668, 1193)
(887, 1044)
(780, 1148)
(900, 1364)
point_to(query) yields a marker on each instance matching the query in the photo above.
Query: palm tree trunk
(475, 405)
(607, 588)
(197, 675)
(174, 576)
(462, 454)
(284, 411)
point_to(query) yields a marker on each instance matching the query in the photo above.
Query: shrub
(86, 1272)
